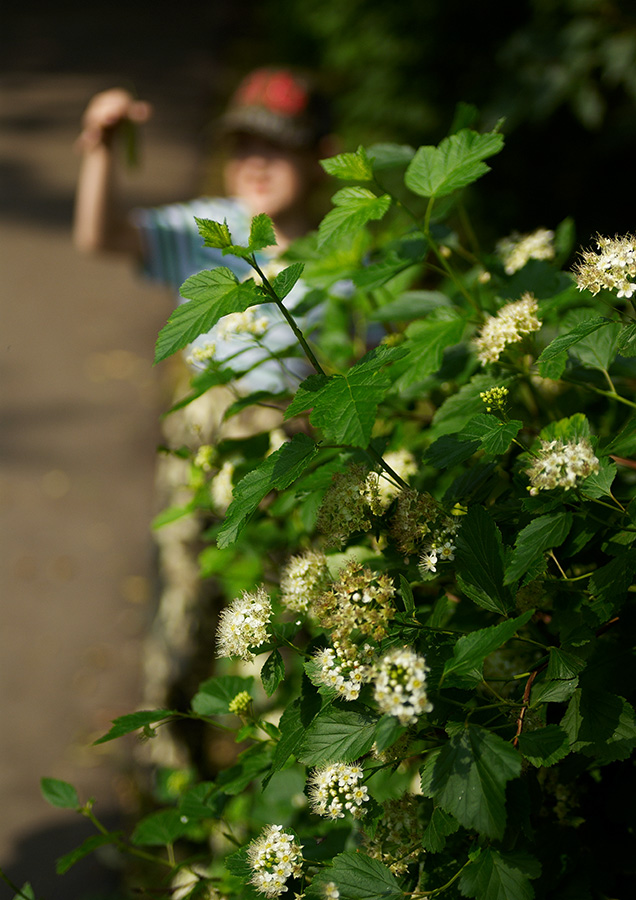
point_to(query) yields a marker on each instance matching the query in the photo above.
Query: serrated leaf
(272, 672)
(215, 694)
(345, 406)
(563, 664)
(441, 825)
(624, 444)
(214, 234)
(610, 582)
(495, 435)
(336, 734)
(252, 764)
(159, 829)
(600, 724)
(468, 778)
(407, 594)
(293, 724)
(449, 450)
(480, 561)
(426, 346)
(545, 746)
(598, 349)
(532, 541)
(59, 793)
(131, 722)
(390, 156)
(556, 690)
(565, 341)
(212, 294)
(354, 207)
(349, 166)
(500, 875)
(455, 163)
(357, 877)
(64, 863)
(599, 484)
(203, 801)
(285, 281)
(387, 732)
(262, 233)
(465, 667)
(277, 472)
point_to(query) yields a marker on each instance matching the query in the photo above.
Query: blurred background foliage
(561, 72)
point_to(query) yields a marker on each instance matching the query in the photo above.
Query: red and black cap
(280, 105)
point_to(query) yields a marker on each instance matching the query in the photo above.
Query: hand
(105, 112)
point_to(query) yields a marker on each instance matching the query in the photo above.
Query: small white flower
(335, 789)
(561, 465)
(304, 579)
(612, 268)
(517, 249)
(512, 322)
(275, 856)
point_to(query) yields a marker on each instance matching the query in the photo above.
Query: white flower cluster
(380, 489)
(274, 857)
(204, 456)
(303, 580)
(517, 249)
(342, 669)
(400, 685)
(222, 487)
(336, 788)
(202, 354)
(242, 323)
(512, 322)
(561, 465)
(613, 267)
(440, 548)
(243, 624)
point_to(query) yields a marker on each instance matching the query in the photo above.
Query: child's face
(268, 178)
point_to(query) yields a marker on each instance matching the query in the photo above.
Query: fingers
(105, 112)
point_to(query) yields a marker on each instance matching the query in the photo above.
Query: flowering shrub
(435, 565)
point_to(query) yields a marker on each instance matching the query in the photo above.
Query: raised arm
(100, 222)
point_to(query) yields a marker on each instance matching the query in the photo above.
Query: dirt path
(79, 405)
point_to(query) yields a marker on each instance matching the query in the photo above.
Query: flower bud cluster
(512, 322)
(359, 603)
(397, 841)
(242, 323)
(400, 685)
(517, 249)
(243, 624)
(202, 354)
(346, 506)
(303, 580)
(612, 268)
(274, 857)
(381, 490)
(335, 789)
(561, 465)
(342, 669)
(204, 457)
(494, 398)
(240, 703)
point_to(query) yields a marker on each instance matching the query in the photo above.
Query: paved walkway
(78, 404)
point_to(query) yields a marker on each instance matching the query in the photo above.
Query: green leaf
(565, 341)
(214, 234)
(59, 793)
(627, 341)
(26, 892)
(426, 345)
(336, 734)
(600, 724)
(272, 672)
(480, 561)
(545, 746)
(610, 582)
(215, 694)
(499, 875)
(468, 778)
(357, 877)
(252, 764)
(203, 801)
(495, 435)
(387, 732)
(355, 206)
(600, 483)
(410, 305)
(532, 541)
(549, 690)
(276, 472)
(262, 233)
(598, 349)
(293, 724)
(64, 863)
(449, 450)
(390, 156)
(465, 667)
(624, 443)
(440, 826)
(563, 664)
(159, 829)
(212, 294)
(285, 280)
(459, 408)
(455, 163)
(407, 594)
(349, 166)
(131, 722)
(345, 406)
